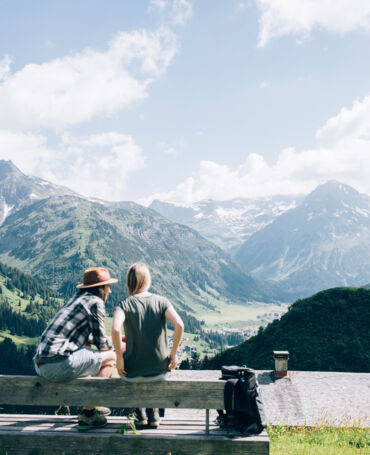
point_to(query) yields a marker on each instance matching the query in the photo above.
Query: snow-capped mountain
(322, 243)
(52, 231)
(18, 190)
(228, 224)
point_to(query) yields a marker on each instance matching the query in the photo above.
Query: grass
(19, 339)
(238, 316)
(320, 440)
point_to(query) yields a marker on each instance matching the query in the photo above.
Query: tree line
(30, 286)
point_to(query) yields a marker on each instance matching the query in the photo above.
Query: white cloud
(299, 17)
(182, 11)
(75, 88)
(342, 153)
(349, 124)
(176, 12)
(5, 64)
(157, 5)
(168, 150)
(242, 6)
(24, 149)
(97, 165)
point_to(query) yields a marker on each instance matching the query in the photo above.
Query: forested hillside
(26, 305)
(326, 332)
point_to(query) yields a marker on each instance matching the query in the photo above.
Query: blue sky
(186, 100)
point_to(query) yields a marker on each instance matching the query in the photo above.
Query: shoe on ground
(100, 409)
(103, 410)
(89, 421)
(141, 417)
(154, 419)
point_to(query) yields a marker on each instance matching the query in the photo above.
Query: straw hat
(96, 276)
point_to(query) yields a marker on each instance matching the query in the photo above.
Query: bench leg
(207, 421)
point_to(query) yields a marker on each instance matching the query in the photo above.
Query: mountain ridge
(18, 189)
(324, 242)
(58, 237)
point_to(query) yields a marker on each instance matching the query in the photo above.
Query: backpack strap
(229, 395)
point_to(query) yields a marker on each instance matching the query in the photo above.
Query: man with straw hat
(64, 351)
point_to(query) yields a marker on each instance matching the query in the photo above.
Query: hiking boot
(141, 417)
(153, 416)
(103, 410)
(100, 409)
(89, 419)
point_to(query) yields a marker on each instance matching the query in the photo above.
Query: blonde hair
(138, 278)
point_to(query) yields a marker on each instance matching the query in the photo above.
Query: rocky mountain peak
(332, 195)
(324, 242)
(18, 190)
(8, 168)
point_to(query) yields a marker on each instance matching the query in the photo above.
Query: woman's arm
(176, 321)
(118, 320)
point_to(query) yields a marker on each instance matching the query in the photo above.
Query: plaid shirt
(79, 322)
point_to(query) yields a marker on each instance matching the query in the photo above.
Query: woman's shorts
(83, 362)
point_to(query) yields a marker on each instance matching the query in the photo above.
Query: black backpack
(243, 405)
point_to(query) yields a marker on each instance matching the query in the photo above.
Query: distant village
(187, 348)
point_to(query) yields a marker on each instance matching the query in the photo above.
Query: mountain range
(294, 245)
(56, 236)
(302, 244)
(230, 223)
(324, 242)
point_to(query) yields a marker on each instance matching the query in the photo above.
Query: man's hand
(120, 366)
(172, 363)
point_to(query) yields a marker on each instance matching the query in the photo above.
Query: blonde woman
(144, 316)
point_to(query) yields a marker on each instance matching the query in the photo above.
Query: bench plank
(61, 437)
(112, 392)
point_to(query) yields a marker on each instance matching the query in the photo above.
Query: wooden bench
(186, 429)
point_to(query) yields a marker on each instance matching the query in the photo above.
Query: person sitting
(144, 315)
(64, 351)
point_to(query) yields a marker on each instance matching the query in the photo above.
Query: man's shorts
(83, 362)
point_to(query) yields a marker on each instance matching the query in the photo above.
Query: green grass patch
(18, 339)
(238, 316)
(320, 440)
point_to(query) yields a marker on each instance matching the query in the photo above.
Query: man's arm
(172, 315)
(99, 337)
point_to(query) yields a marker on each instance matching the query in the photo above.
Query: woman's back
(146, 335)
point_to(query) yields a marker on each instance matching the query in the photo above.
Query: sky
(186, 100)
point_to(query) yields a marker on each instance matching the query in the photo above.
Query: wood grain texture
(59, 435)
(112, 392)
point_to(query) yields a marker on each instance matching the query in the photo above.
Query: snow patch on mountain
(6, 211)
(228, 223)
